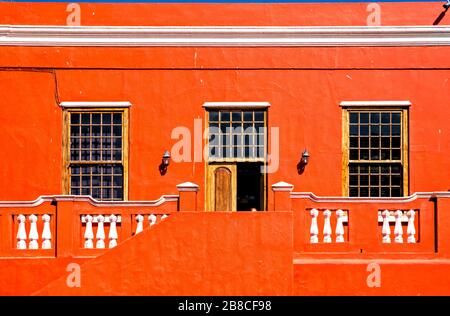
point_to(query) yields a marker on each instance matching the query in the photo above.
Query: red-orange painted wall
(188, 255)
(167, 87)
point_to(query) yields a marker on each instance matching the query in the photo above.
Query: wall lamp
(303, 161)
(164, 162)
(447, 5)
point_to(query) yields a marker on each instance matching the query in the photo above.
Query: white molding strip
(88, 104)
(339, 199)
(375, 103)
(137, 36)
(236, 104)
(87, 198)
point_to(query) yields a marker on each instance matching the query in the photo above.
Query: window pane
(213, 116)
(74, 118)
(237, 116)
(259, 116)
(225, 116)
(96, 118)
(364, 130)
(364, 118)
(396, 118)
(374, 117)
(353, 117)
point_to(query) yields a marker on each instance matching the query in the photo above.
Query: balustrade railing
(364, 225)
(81, 225)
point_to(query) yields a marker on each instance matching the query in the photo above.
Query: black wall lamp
(164, 162)
(303, 161)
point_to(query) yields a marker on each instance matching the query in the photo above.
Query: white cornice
(236, 104)
(375, 103)
(136, 36)
(94, 104)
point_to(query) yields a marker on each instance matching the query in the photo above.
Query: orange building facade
(224, 149)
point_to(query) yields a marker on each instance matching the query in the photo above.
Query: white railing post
(112, 231)
(88, 234)
(398, 229)
(411, 230)
(386, 230)
(140, 224)
(152, 219)
(46, 233)
(314, 229)
(339, 226)
(327, 226)
(33, 236)
(100, 236)
(21, 233)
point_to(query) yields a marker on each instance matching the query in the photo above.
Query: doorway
(235, 187)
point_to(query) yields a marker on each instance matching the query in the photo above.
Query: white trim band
(236, 104)
(87, 104)
(139, 36)
(375, 103)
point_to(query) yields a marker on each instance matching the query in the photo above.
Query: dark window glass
(375, 163)
(96, 139)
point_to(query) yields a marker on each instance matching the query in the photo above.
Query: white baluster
(140, 224)
(340, 226)
(88, 233)
(411, 230)
(21, 233)
(164, 216)
(46, 233)
(100, 236)
(33, 235)
(314, 230)
(327, 227)
(398, 229)
(152, 219)
(112, 231)
(386, 230)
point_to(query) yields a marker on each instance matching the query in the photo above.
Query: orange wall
(164, 99)
(188, 255)
(223, 14)
(167, 87)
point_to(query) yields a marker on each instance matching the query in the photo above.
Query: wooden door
(221, 187)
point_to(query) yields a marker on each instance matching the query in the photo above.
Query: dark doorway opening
(250, 186)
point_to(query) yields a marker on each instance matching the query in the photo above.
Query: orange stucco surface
(204, 253)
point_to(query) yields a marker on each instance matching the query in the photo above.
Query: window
(375, 152)
(96, 153)
(237, 135)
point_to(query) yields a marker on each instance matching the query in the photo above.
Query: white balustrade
(398, 229)
(314, 230)
(152, 219)
(100, 236)
(112, 231)
(341, 218)
(411, 229)
(340, 226)
(88, 233)
(46, 233)
(327, 227)
(21, 233)
(140, 223)
(33, 235)
(386, 229)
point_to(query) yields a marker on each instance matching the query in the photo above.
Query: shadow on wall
(442, 14)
